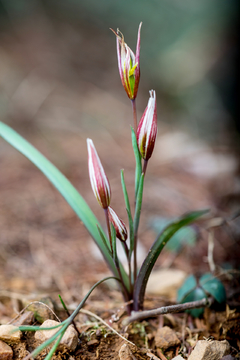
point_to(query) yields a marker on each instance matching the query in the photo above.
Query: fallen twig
(167, 309)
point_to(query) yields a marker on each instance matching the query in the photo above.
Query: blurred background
(59, 84)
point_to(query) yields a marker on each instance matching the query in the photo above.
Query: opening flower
(147, 128)
(128, 64)
(98, 178)
(121, 231)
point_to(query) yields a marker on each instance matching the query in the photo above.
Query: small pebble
(69, 340)
(8, 334)
(92, 342)
(210, 350)
(6, 352)
(166, 338)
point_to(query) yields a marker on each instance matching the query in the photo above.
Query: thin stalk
(124, 289)
(145, 166)
(129, 267)
(135, 258)
(108, 227)
(68, 314)
(136, 223)
(134, 115)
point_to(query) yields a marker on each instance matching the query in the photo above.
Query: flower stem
(108, 227)
(134, 115)
(124, 289)
(145, 166)
(129, 266)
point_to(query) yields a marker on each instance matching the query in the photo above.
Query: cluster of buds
(102, 191)
(128, 64)
(129, 69)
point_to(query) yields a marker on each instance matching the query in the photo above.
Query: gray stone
(6, 352)
(69, 340)
(10, 334)
(166, 338)
(179, 357)
(210, 350)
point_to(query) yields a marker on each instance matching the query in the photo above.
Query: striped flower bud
(121, 231)
(128, 64)
(147, 128)
(98, 178)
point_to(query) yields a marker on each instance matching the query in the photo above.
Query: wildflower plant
(134, 280)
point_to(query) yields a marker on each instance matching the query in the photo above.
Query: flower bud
(121, 231)
(147, 128)
(98, 178)
(128, 64)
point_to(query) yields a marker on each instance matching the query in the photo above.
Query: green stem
(68, 314)
(145, 166)
(129, 267)
(136, 223)
(108, 227)
(125, 292)
(134, 115)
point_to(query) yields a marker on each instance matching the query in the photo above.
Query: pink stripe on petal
(98, 179)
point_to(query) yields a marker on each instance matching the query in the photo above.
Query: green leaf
(36, 328)
(54, 348)
(114, 243)
(189, 285)
(195, 295)
(48, 342)
(130, 220)
(131, 234)
(160, 242)
(64, 186)
(138, 205)
(213, 286)
(187, 235)
(105, 240)
(138, 160)
(80, 305)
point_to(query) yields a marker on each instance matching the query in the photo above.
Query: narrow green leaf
(63, 303)
(138, 160)
(125, 193)
(138, 205)
(160, 242)
(105, 240)
(36, 328)
(54, 348)
(80, 305)
(64, 324)
(114, 243)
(64, 186)
(46, 343)
(131, 234)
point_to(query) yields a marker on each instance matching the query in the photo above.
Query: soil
(44, 248)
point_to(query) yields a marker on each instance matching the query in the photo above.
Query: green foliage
(63, 325)
(191, 290)
(213, 286)
(186, 236)
(155, 250)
